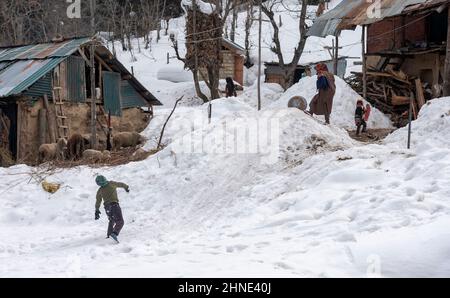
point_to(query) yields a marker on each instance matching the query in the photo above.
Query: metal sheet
(111, 93)
(130, 98)
(351, 13)
(41, 87)
(76, 79)
(18, 76)
(42, 51)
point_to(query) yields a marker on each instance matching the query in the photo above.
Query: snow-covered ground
(273, 193)
(326, 206)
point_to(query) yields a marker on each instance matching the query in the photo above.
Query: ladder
(61, 118)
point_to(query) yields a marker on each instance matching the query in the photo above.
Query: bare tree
(288, 68)
(248, 27)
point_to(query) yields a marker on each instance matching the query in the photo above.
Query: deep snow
(325, 206)
(334, 209)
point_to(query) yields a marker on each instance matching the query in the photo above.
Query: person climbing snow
(230, 89)
(108, 193)
(322, 103)
(359, 117)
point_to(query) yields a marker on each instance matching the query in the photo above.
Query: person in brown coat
(322, 103)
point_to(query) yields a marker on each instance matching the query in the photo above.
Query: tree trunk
(198, 90)
(234, 21)
(447, 61)
(288, 69)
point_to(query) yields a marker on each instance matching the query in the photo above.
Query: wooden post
(336, 55)
(259, 55)
(447, 60)
(93, 101)
(168, 58)
(410, 119)
(364, 61)
(50, 121)
(42, 126)
(19, 127)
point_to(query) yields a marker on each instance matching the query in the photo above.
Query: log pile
(204, 39)
(390, 91)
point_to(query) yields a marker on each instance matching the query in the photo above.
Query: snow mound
(289, 134)
(343, 106)
(174, 74)
(301, 136)
(431, 129)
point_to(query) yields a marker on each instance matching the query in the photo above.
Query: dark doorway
(437, 27)
(298, 74)
(10, 111)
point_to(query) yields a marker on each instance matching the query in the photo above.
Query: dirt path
(371, 136)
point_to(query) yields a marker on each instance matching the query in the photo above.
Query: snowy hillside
(326, 207)
(273, 193)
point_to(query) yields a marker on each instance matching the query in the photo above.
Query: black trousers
(359, 123)
(115, 218)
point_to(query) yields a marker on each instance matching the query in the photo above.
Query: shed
(45, 94)
(274, 73)
(233, 61)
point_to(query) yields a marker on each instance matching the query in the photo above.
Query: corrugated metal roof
(42, 51)
(21, 67)
(351, 13)
(20, 75)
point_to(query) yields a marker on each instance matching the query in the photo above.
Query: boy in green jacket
(108, 193)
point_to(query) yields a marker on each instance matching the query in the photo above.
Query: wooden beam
(19, 127)
(364, 61)
(336, 55)
(50, 121)
(419, 93)
(447, 60)
(102, 62)
(83, 55)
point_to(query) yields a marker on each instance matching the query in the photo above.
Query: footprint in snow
(261, 244)
(328, 206)
(127, 249)
(238, 248)
(410, 191)
(283, 265)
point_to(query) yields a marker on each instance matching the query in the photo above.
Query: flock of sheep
(78, 147)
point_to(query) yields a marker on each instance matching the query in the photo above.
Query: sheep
(127, 139)
(96, 156)
(75, 146)
(52, 151)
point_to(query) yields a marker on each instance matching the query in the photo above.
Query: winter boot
(114, 236)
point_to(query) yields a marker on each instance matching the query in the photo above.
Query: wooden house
(274, 73)
(404, 52)
(45, 94)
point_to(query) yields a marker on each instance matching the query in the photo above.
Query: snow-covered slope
(325, 207)
(311, 202)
